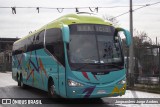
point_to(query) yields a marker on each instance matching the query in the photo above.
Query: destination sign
(91, 28)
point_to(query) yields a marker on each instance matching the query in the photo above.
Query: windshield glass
(94, 44)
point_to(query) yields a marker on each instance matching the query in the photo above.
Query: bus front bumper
(95, 91)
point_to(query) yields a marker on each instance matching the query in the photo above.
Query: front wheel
(51, 89)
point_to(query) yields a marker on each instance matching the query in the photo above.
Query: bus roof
(68, 20)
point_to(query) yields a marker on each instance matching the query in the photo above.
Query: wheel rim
(21, 83)
(18, 80)
(52, 90)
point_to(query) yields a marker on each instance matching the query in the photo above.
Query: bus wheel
(51, 89)
(18, 80)
(21, 82)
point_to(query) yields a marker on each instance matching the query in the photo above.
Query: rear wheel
(18, 80)
(21, 82)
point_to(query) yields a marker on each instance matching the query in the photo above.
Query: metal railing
(148, 82)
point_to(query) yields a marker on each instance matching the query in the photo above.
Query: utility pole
(131, 61)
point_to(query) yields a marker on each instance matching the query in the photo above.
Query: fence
(146, 72)
(5, 61)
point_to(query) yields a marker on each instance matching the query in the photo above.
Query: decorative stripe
(19, 61)
(30, 74)
(85, 75)
(36, 60)
(88, 91)
(95, 77)
(42, 67)
(34, 65)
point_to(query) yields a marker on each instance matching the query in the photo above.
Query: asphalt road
(9, 89)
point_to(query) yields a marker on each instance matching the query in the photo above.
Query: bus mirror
(127, 35)
(65, 33)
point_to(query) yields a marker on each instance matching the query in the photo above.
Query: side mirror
(127, 35)
(65, 33)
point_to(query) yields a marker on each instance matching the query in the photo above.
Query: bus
(75, 56)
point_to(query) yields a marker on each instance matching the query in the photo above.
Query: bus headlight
(123, 81)
(74, 84)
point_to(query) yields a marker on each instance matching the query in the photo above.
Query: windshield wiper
(114, 65)
(86, 64)
(79, 68)
(100, 64)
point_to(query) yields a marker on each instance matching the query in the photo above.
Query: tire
(51, 89)
(21, 82)
(98, 100)
(18, 80)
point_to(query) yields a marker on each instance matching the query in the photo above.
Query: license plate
(101, 92)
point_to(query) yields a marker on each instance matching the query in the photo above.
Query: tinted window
(29, 44)
(16, 48)
(35, 42)
(38, 40)
(54, 44)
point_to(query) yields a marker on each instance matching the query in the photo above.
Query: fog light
(123, 81)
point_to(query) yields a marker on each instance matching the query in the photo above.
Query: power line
(73, 7)
(146, 5)
(60, 9)
(92, 9)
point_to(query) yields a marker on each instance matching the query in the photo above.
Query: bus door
(61, 68)
(54, 44)
(62, 81)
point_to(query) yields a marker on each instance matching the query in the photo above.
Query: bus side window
(54, 44)
(30, 44)
(39, 40)
(19, 46)
(35, 42)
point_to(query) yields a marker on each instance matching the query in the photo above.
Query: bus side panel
(14, 67)
(35, 73)
(36, 67)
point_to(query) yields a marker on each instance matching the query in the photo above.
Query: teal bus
(75, 56)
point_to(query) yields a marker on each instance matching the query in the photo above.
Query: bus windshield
(93, 44)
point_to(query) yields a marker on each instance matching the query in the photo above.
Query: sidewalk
(146, 88)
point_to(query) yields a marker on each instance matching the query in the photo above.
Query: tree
(143, 56)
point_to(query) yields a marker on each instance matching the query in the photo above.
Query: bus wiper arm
(117, 66)
(79, 68)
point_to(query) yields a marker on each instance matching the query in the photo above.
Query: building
(6, 53)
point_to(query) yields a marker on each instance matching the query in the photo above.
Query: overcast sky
(19, 25)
